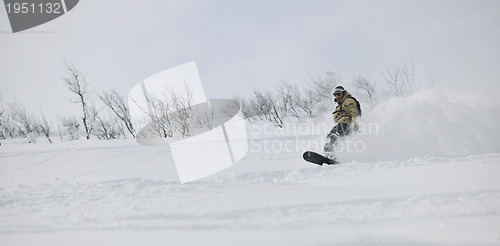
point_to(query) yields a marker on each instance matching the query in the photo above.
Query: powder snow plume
(430, 122)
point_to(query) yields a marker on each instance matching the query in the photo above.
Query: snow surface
(428, 176)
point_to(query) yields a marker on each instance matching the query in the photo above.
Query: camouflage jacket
(346, 110)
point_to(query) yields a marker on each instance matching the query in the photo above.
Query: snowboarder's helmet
(338, 90)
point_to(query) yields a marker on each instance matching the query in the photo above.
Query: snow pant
(339, 130)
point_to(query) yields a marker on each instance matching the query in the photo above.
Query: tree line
(174, 114)
(109, 122)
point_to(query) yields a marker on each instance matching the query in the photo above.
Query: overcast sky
(242, 45)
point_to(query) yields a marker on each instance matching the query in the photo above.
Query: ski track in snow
(306, 197)
(102, 206)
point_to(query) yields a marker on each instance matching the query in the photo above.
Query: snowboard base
(318, 159)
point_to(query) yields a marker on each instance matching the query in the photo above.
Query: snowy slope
(122, 193)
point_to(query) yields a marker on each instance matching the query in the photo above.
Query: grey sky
(241, 45)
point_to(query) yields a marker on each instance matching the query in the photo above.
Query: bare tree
(7, 121)
(401, 79)
(408, 76)
(365, 88)
(2, 111)
(44, 127)
(160, 115)
(287, 100)
(171, 112)
(76, 82)
(17, 122)
(158, 111)
(306, 102)
(251, 109)
(248, 108)
(116, 103)
(25, 123)
(392, 77)
(71, 127)
(3, 118)
(267, 106)
(204, 119)
(59, 130)
(183, 113)
(108, 128)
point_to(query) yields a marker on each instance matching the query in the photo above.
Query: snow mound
(430, 122)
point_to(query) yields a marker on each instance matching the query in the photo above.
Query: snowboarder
(345, 114)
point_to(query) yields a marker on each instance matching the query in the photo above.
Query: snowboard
(318, 159)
